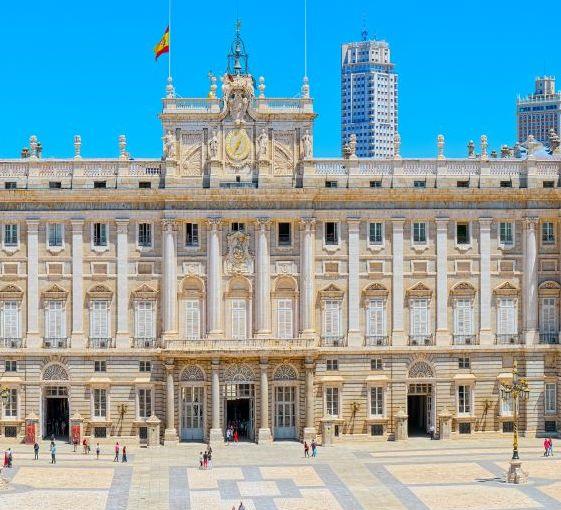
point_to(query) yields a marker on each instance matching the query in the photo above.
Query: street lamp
(516, 391)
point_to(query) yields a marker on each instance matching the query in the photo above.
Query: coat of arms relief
(238, 259)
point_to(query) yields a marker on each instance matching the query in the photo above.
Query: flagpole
(305, 38)
(169, 36)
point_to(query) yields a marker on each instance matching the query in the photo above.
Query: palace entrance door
(285, 412)
(192, 428)
(240, 409)
(57, 414)
(420, 409)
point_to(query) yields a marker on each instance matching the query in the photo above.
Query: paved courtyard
(418, 474)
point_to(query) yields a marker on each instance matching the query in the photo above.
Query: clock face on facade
(238, 144)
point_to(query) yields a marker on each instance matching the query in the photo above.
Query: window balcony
(375, 340)
(145, 343)
(11, 343)
(100, 343)
(549, 338)
(333, 341)
(421, 340)
(510, 338)
(56, 343)
(464, 339)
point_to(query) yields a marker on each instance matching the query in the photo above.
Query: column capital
(398, 222)
(215, 363)
(531, 222)
(308, 223)
(214, 222)
(353, 223)
(77, 226)
(263, 223)
(169, 225)
(122, 225)
(485, 223)
(169, 366)
(32, 225)
(263, 362)
(442, 223)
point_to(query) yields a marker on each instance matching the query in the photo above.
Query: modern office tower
(369, 97)
(539, 112)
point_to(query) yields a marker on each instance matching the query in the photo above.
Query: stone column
(214, 279)
(78, 340)
(122, 340)
(307, 275)
(169, 291)
(264, 435)
(216, 436)
(310, 431)
(398, 334)
(531, 335)
(485, 332)
(170, 433)
(354, 338)
(33, 339)
(442, 333)
(262, 278)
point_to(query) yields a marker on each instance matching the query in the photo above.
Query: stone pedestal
(327, 433)
(153, 424)
(76, 428)
(216, 437)
(516, 474)
(264, 436)
(401, 425)
(445, 419)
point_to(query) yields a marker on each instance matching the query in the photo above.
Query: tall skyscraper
(539, 112)
(369, 97)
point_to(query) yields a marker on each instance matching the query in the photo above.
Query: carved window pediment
(55, 372)
(55, 292)
(285, 286)
(506, 289)
(420, 370)
(100, 292)
(285, 372)
(375, 290)
(239, 287)
(192, 373)
(238, 373)
(419, 290)
(549, 288)
(463, 289)
(11, 292)
(331, 292)
(192, 287)
(144, 292)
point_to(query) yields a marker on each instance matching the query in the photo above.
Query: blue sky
(87, 67)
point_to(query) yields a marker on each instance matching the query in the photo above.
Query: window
(144, 320)
(144, 366)
(54, 235)
(506, 317)
(548, 233)
(464, 399)
(10, 185)
(9, 319)
(144, 403)
(331, 364)
(144, 185)
(462, 184)
(375, 318)
(463, 317)
(377, 401)
(330, 184)
(548, 184)
(419, 323)
(463, 362)
(11, 405)
(550, 397)
(99, 403)
(332, 401)
(375, 233)
(55, 185)
(284, 234)
(239, 320)
(331, 233)
(419, 233)
(100, 366)
(100, 234)
(285, 326)
(506, 233)
(55, 326)
(11, 235)
(145, 235)
(375, 184)
(506, 184)
(237, 227)
(11, 365)
(548, 322)
(100, 184)
(507, 406)
(376, 364)
(462, 233)
(99, 319)
(419, 184)
(192, 319)
(332, 319)
(191, 234)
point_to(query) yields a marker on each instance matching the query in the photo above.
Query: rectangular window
(191, 234)
(10, 185)
(330, 184)
(100, 402)
(463, 317)
(100, 366)
(375, 184)
(377, 401)
(464, 399)
(375, 318)
(548, 232)
(548, 184)
(55, 327)
(463, 362)
(9, 319)
(507, 406)
(144, 185)
(100, 234)
(419, 323)
(284, 234)
(99, 319)
(331, 233)
(11, 405)
(285, 324)
(419, 233)
(192, 319)
(239, 319)
(375, 233)
(145, 235)
(548, 322)
(419, 184)
(332, 401)
(55, 185)
(331, 364)
(506, 233)
(376, 364)
(238, 227)
(550, 398)
(11, 365)
(10, 234)
(332, 319)
(144, 403)
(506, 317)
(462, 184)
(144, 366)
(54, 235)
(144, 320)
(100, 184)
(505, 184)
(462, 233)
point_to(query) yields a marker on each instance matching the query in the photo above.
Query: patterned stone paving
(418, 475)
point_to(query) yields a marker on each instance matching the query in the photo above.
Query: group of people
(232, 434)
(123, 452)
(313, 446)
(240, 507)
(56, 427)
(205, 459)
(548, 447)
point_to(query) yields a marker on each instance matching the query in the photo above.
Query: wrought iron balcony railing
(100, 343)
(375, 340)
(11, 343)
(56, 343)
(549, 338)
(509, 338)
(464, 339)
(421, 340)
(145, 343)
(333, 341)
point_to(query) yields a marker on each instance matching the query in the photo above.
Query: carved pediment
(192, 287)
(506, 289)
(144, 292)
(549, 288)
(55, 292)
(419, 290)
(463, 289)
(375, 290)
(100, 292)
(331, 292)
(11, 292)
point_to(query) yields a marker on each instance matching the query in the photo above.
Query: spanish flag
(163, 46)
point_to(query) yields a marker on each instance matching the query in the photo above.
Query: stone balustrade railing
(241, 345)
(216, 105)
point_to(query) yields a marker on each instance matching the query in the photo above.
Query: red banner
(75, 434)
(30, 433)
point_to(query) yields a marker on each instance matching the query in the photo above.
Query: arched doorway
(285, 384)
(55, 402)
(421, 399)
(239, 400)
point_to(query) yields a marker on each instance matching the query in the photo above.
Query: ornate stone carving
(263, 223)
(506, 289)
(192, 373)
(549, 288)
(213, 146)
(100, 292)
(463, 289)
(419, 290)
(169, 225)
(170, 148)
(55, 372)
(420, 370)
(375, 290)
(235, 372)
(238, 259)
(307, 145)
(122, 226)
(193, 268)
(55, 292)
(262, 145)
(307, 224)
(144, 292)
(285, 372)
(531, 222)
(285, 267)
(238, 103)
(11, 292)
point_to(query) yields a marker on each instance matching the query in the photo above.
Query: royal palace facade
(239, 280)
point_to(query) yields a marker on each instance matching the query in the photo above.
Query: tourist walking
(210, 457)
(85, 446)
(200, 460)
(75, 443)
(53, 452)
(314, 448)
(205, 460)
(36, 450)
(306, 449)
(6, 458)
(546, 447)
(550, 447)
(228, 436)
(116, 459)
(10, 457)
(97, 451)
(236, 437)
(431, 432)
(124, 454)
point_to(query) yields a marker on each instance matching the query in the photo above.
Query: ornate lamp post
(4, 396)
(516, 391)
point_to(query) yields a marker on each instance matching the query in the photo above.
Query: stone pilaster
(307, 274)
(310, 431)
(398, 334)
(485, 332)
(170, 433)
(216, 435)
(442, 333)
(33, 338)
(123, 335)
(262, 279)
(530, 281)
(169, 293)
(78, 339)
(354, 337)
(264, 434)
(214, 279)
